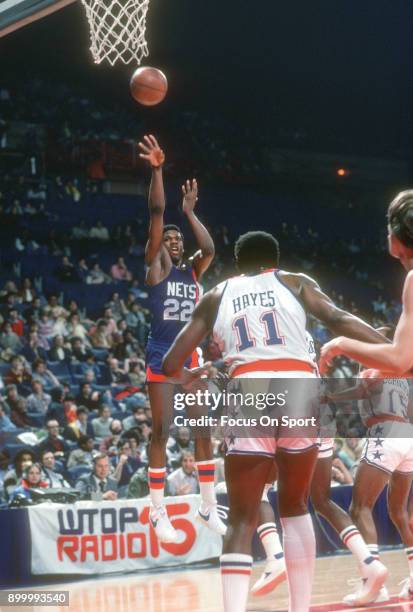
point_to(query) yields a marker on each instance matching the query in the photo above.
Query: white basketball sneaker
(370, 589)
(273, 575)
(208, 516)
(162, 525)
(407, 591)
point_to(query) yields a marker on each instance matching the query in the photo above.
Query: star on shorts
(378, 455)
(379, 430)
(378, 442)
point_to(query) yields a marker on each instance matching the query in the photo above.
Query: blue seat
(36, 419)
(100, 354)
(61, 370)
(76, 471)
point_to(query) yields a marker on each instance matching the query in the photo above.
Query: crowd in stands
(74, 410)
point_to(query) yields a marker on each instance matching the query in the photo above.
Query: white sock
(235, 576)
(299, 551)
(374, 551)
(206, 477)
(409, 554)
(352, 539)
(270, 540)
(156, 478)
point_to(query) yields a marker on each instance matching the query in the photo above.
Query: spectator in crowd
(184, 480)
(97, 276)
(23, 459)
(98, 485)
(99, 338)
(33, 348)
(54, 442)
(137, 417)
(136, 291)
(135, 372)
(33, 313)
(53, 479)
(117, 306)
(136, 321)
(82, 270)
(83, 455)
(79, 350)
(45, 376)
(59, 351)
(111, 326)
(81, 231)
(66, 272)
(19, 415)
(80, 426)
(45, 328)
(125, 466)
(27, 293)
(109, 444)
(5, 422)
(18, 374)
(76, 329)
(119, 271)
(10, 342)
(17, 324)
(101, 425)
(138, 484)
(87, 397)
(4, 468)
(56, 409)
(31, 479)
(178, 444)
(38, 401)
(99, 232)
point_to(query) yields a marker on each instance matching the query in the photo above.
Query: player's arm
(151, 152)
(194, 332)
(338, 321)
(396, 358)
(203, 258)
(363, 389)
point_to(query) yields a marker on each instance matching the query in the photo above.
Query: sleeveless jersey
(172, 302)
(259, 318)
(391, 400)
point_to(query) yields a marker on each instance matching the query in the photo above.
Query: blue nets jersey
(172, 302)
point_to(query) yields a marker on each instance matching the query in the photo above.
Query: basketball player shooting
(173, 292)
(263, 340)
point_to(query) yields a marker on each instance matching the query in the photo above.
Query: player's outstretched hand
(151, 151)
(328, 352)
(190, 193)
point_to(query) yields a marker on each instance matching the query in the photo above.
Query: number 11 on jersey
(269, 322)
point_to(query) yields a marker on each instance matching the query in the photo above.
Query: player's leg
(295, 471)
(245, 476)
(369, 483)
(207, 513)
(161, 400)
(336, 516)
(397, 499)
(274, 571)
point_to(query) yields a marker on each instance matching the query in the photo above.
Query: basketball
(148, 86)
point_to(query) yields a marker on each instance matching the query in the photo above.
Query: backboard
(15, 14)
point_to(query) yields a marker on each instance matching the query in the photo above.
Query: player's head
(255, 251)
(174, 242)
(400, 225)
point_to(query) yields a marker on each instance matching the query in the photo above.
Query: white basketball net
(117, 29)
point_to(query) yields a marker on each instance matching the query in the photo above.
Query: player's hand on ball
(190, 193)
(328, 352)
(151, 151)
